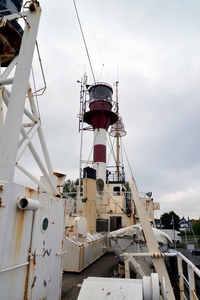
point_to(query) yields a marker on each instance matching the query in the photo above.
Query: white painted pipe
(28, 204)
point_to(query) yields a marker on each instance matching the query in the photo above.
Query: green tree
(126, 184)
(70, 187)
(196, 227)
(168, 219)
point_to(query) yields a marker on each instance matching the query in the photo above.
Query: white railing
(187, 281)
(188, 274)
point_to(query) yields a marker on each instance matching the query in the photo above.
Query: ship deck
(105, 266)
(102, 267)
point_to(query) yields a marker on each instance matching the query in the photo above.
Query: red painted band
(99, 154)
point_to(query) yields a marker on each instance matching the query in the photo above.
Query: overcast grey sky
(153, 49)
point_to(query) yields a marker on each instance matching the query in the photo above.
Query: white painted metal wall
(31, 221)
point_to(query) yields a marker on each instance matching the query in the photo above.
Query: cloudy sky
(153, 49)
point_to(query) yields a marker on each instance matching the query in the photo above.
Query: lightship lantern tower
(100, 117)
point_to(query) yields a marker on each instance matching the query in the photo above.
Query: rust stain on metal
(194, 292)
(1, 201)
(62, 244)
(126, 257)
(1, 186)
(26, 283)
(18, 233)
(147, 203)
(34, 260)
(30, 192)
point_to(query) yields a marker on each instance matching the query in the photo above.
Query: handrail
(186, 279)
(187, 282)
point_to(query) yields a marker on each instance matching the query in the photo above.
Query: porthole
(45, 224)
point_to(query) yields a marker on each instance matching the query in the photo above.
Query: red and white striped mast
(100, 117)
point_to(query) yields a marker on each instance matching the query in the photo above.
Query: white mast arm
(13, 121)
(151, 240)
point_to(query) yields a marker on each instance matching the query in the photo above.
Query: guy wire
(84, 41)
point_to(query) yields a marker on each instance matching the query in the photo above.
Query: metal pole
(151, 240)
(117, 134)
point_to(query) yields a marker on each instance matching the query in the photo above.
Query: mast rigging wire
(128, 161)
(84, 41)
(112, 152)
(115, 202)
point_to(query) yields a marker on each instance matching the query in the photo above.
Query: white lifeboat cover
(161, 236)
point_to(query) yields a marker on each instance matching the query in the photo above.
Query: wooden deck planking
(102, 267)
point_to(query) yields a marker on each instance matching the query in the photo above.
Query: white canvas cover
(161, 237)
